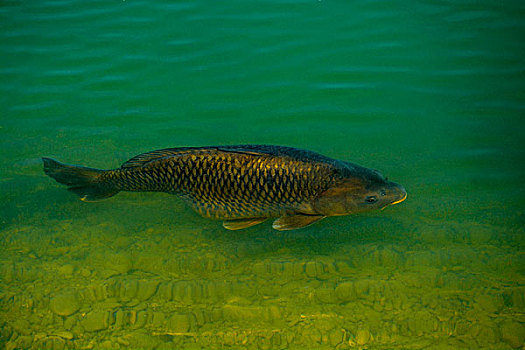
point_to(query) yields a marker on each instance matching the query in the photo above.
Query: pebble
(490, 303)
(362, 336)
(179, 323)
(513, 333)
(484, 333)
(108, 344)
(325, 295)
(238, 312)
(422, 322)
(140, 340)
(146, 289)
(95, 321)
(64, 304)
(343, 267)
(21, 326)
(362, 287)
(66, 270)
(345, 292)
(120, 263)
(69, 323)
(335, 337)
(310, 269)
(64, 334)
(157, 319)
(51, 342)
(24, 342)
(312, 335)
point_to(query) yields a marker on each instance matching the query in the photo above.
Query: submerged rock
(345, 292)
(513, 333)
(179, 323)
(95, 321)
(65, 304)
(146, 289)
(490, 303)
(335, 337)
(21, 326)
(362, 336)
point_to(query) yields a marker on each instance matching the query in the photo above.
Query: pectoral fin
(293, 222)
(242, 223)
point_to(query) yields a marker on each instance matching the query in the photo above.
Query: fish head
(359, 194)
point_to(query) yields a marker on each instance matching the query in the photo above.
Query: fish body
(241, 185)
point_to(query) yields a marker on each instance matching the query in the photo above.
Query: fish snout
(400, 194)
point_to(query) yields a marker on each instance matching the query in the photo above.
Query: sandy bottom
(84, 284)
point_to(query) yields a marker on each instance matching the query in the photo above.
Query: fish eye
(382, 193)
(371, 199)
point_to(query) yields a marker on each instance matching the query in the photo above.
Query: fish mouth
(400, 200)
(402, 193)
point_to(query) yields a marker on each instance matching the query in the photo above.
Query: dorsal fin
(144, 158)
(253, 150)
(242, 151)
(147, 157)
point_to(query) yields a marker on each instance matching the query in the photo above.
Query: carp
(242, 185)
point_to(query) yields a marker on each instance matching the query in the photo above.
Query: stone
(157, 319)
(119, 319)
(362, 336)
(518, 298)
(129, 289)
(345, 292)
(480, 234)
(312, 336)
(179, 323)
(422, 322)
(22, 326)
(362, 287)
(108, 344)
(343, 267)
(95, 321)
(513, 333)
(69, 323)
(146, 289)
(273, 313)
(64, 304)
(52, 342)
(66, 270)
(325, 295)
(310, 269)
(490, 303)
(140, 340)
(64, 334)
(24, 342)
(120, 263)
(335, 337)
(142, 318)
(485, 333)
(240, 312)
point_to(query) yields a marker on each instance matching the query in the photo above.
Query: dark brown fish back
(232, 182)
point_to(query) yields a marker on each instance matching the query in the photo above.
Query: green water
(430, 93)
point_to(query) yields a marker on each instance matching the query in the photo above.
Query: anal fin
(292, 222)
(239, 224)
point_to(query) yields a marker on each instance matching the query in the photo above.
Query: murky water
(431, 93)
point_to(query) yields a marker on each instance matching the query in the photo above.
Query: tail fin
(85, 182)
